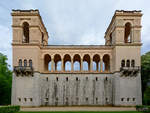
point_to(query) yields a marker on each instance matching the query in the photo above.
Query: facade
(98, 75)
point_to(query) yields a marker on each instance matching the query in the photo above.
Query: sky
(72, 22)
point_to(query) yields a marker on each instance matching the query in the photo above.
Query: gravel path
(78, 109)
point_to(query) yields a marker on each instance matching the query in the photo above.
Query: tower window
(123, 63)
(128, 63)
(133, 63)
(25, 63)
(110, 38)
(20, 62)
(42, 37)
(25, 32)
(127, 34)
(30, 63)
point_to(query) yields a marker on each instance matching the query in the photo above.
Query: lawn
(83, 112)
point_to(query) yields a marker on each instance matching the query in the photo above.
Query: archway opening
(76, 62)
(86, 62)
(96, 60)
(47, 60)
(106, 61)
(57, 61)
(67, 62)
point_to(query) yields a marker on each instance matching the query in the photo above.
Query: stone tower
(124, 33)
(29, 34)
(105, 75)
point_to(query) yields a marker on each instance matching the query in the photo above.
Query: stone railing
(23, 70)
(129, 71)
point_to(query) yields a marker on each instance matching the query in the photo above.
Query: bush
(143, 108)
(9, 109)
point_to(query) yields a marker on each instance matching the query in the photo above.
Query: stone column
(81, 65)
(97, 66)
(72, 65)
(52, 65)
(110, 64)
(55, 66)
(91, 64)
(62, 64)
(101, 65)
(43, 65)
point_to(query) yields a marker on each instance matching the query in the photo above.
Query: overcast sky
(73, 21)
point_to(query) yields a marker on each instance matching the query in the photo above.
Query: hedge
(9, 109)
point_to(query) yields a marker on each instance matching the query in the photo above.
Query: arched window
(128, 63)
(123, 63)
(58, 63)
(96, 61)
(86, 62)
(127, 34)
(30, 63)
(133, 63)
(77, 63)
(67, 62)
(47, 60)
(20, 62)
(25, 32)
(25, 63)
(76, 66)
(106, 61)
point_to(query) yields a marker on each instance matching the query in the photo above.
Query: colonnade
(101, 64)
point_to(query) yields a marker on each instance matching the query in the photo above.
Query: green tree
(147, 96)
(5, 81)
(145, 72)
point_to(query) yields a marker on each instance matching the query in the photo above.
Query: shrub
(143, 108)
(9, 109)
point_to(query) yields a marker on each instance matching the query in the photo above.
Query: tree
(147, 96)
(5, 81)
(145, 74)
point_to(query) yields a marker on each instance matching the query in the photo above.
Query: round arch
(67, 62)
(25, 27)
(47, 60)
(77, 62)
(96, 62)
(127, 32)
(57, 62)
(86, 62)
(106, 62)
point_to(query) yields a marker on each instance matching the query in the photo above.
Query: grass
(81, 112)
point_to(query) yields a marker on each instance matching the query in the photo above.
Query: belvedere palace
(76, 75)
